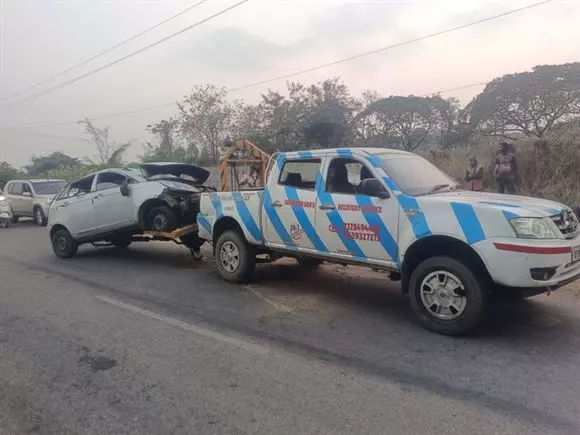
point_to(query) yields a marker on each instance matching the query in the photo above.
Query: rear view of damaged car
(114, 205)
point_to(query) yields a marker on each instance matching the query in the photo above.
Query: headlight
(534, 228)
(2, 198)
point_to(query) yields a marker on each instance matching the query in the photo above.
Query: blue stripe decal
(344, 152)
(275, 219)
(468, 221)
(246, 216)
(391, 185)
(375, 161)
(375, 220)
(336, 220)
(305, 154)
(510, 215)
(501, 204)
(203, 222)
(416, 216)
(304, 221)
(280, 161)
(217, 204)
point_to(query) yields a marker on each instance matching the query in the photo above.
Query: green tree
(41, 165)
(109, 153)
(530, 102)
(7, 173)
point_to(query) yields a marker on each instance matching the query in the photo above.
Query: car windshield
(416, 176)
(48, 187)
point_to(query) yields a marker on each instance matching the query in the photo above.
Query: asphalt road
(146, 341)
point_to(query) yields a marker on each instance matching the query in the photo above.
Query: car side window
(79, 187)
(345, 176)
(300, 174)
(15, 189)
(109, 180)
(26, 188)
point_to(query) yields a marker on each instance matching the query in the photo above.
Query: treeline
(527, 104)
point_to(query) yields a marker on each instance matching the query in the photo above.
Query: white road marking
(277, 306)
(187, 326)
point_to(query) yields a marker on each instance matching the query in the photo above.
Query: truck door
(290, 204)
(354, 224)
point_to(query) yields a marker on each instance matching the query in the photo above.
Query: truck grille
(567, 223)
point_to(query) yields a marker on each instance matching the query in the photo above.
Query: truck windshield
(416, 176)
(48, 187)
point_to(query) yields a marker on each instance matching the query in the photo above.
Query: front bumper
(516, 262)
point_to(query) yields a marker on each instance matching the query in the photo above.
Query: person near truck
(505, 170)
(251, 180)
(474, 175)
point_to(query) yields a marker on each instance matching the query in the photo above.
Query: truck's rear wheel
(447, 296)
(235, 260)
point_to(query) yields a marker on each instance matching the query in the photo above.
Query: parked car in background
(31, 198)
(113, 205)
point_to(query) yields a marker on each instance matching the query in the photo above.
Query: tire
(162, 219)
(441, 310)
(122, 242)
(63, 244)
(309, 262)
(39, 217)
(240, 266)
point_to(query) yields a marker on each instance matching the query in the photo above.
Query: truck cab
(394, 210)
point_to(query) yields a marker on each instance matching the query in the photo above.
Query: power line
(134, 53)
(102, 53)
(347, 59)
(389, 47)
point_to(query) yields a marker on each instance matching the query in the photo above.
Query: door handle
(100, 195)
(327, 207)
(276, 204)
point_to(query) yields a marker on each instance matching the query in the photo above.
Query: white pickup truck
(394, 210)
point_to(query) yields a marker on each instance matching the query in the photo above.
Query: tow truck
(393, 210)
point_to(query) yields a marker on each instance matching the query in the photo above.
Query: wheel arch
(146, 207)
(226, 223)
(57, 227)
(440, 245)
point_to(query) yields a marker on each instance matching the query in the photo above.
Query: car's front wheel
(235, 259)
(447, 296)
(39, 217)
(162, 219)
(63, 244)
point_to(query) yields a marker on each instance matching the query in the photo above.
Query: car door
(290, 205)
(354, 224)
(112, 209)
(26, 200)
(73, 208)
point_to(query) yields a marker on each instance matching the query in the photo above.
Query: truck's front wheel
(235, 260)
(447, 296)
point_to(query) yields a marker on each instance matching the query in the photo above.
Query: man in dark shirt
(505, 170)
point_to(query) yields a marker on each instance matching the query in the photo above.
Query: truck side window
(345, 176)
(300, 174)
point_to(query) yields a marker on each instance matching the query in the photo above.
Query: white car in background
(32, 198)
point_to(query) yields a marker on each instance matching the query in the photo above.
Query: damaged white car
(114, 205)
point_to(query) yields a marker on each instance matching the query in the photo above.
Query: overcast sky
(258, 40)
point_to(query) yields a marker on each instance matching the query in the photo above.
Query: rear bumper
(531, 265)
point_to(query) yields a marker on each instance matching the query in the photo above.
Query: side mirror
(28, 194)
(373, 187)
(125, 188)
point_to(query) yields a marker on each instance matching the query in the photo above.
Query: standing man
(505, 170)
(474, 175)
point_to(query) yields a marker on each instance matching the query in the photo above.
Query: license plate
(576, 253)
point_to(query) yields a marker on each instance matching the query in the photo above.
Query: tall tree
(530, 102)
(40, 165)
(205, 118)
(108, 152)
(7, 173)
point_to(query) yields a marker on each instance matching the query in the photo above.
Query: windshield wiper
(439, 187)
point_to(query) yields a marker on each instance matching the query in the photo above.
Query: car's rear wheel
(447, 296)
(162, 218)
(235, 259)
(39, 217)
(63, 244)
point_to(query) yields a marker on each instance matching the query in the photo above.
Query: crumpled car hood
(199, 175)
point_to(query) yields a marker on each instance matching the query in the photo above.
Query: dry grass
(548, 168)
